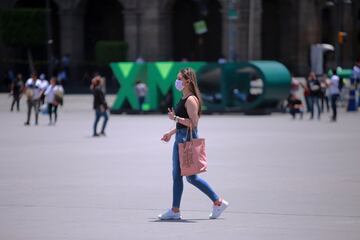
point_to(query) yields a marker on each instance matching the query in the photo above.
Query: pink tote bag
(192, 156)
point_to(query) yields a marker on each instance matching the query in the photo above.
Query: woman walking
(186, 114)
(100, 106)
(315, 92)
(50, 93)
(334, 93)
(17, 88)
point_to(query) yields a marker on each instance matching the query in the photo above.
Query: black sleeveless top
(180, 111)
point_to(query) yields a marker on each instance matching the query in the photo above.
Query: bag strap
(190, 130)
(198, 103)
(190, 127)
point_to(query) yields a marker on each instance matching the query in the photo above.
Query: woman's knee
(191, 179)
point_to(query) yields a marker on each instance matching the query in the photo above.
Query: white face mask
(179, 85)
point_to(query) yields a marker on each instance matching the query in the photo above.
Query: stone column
(289, 36)
(153, 31)
(248, 44)
(254, 48)
(355, 41)
(224, 27)
(348, 52)
(165, 49)
(225, 33)
(4, 52)
(308, 34)
(243, 30)
(72, 42)
(131, 24)
(72, 34)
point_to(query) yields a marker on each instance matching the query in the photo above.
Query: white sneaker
(170, 215)
(217, 210)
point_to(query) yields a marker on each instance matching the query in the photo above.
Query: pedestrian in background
(62, 77)
(100, 106)
(17, 88)
(295, 106)
(356, 70)
(52, 102)
(315, 92)
(186, 115)
(334, 93)
(33, 94)
(141, 91)
(324, 95)
(306, 93)
(356, 76)
(102, 80)
(43, 86)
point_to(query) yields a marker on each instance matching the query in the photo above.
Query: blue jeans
(308, 103)
(141, 102)
(315, 101)
(334, 98)
(99, 114)
(294, 111)
(195, 180)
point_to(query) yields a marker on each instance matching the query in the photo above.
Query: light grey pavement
(284, 179)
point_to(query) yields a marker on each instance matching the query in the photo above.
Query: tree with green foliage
(23, 28)
(110, 51)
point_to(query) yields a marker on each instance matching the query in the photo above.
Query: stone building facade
(160, 30)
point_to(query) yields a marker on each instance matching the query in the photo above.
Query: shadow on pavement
(190, 220)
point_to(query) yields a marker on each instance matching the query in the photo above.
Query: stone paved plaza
(284, 179)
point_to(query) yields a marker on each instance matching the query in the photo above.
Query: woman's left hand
(171, 113)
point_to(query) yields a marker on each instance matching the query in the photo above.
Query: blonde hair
(189, 74)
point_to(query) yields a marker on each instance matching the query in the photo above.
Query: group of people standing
(46, 95)
(38, 92)
(318, 92)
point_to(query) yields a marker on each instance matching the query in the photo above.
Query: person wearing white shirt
(141, 91)
(356, 70)
(334, 93)
(33, 93)
(51, 93)
(356, 76)
(43, 86)
(221, 60)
